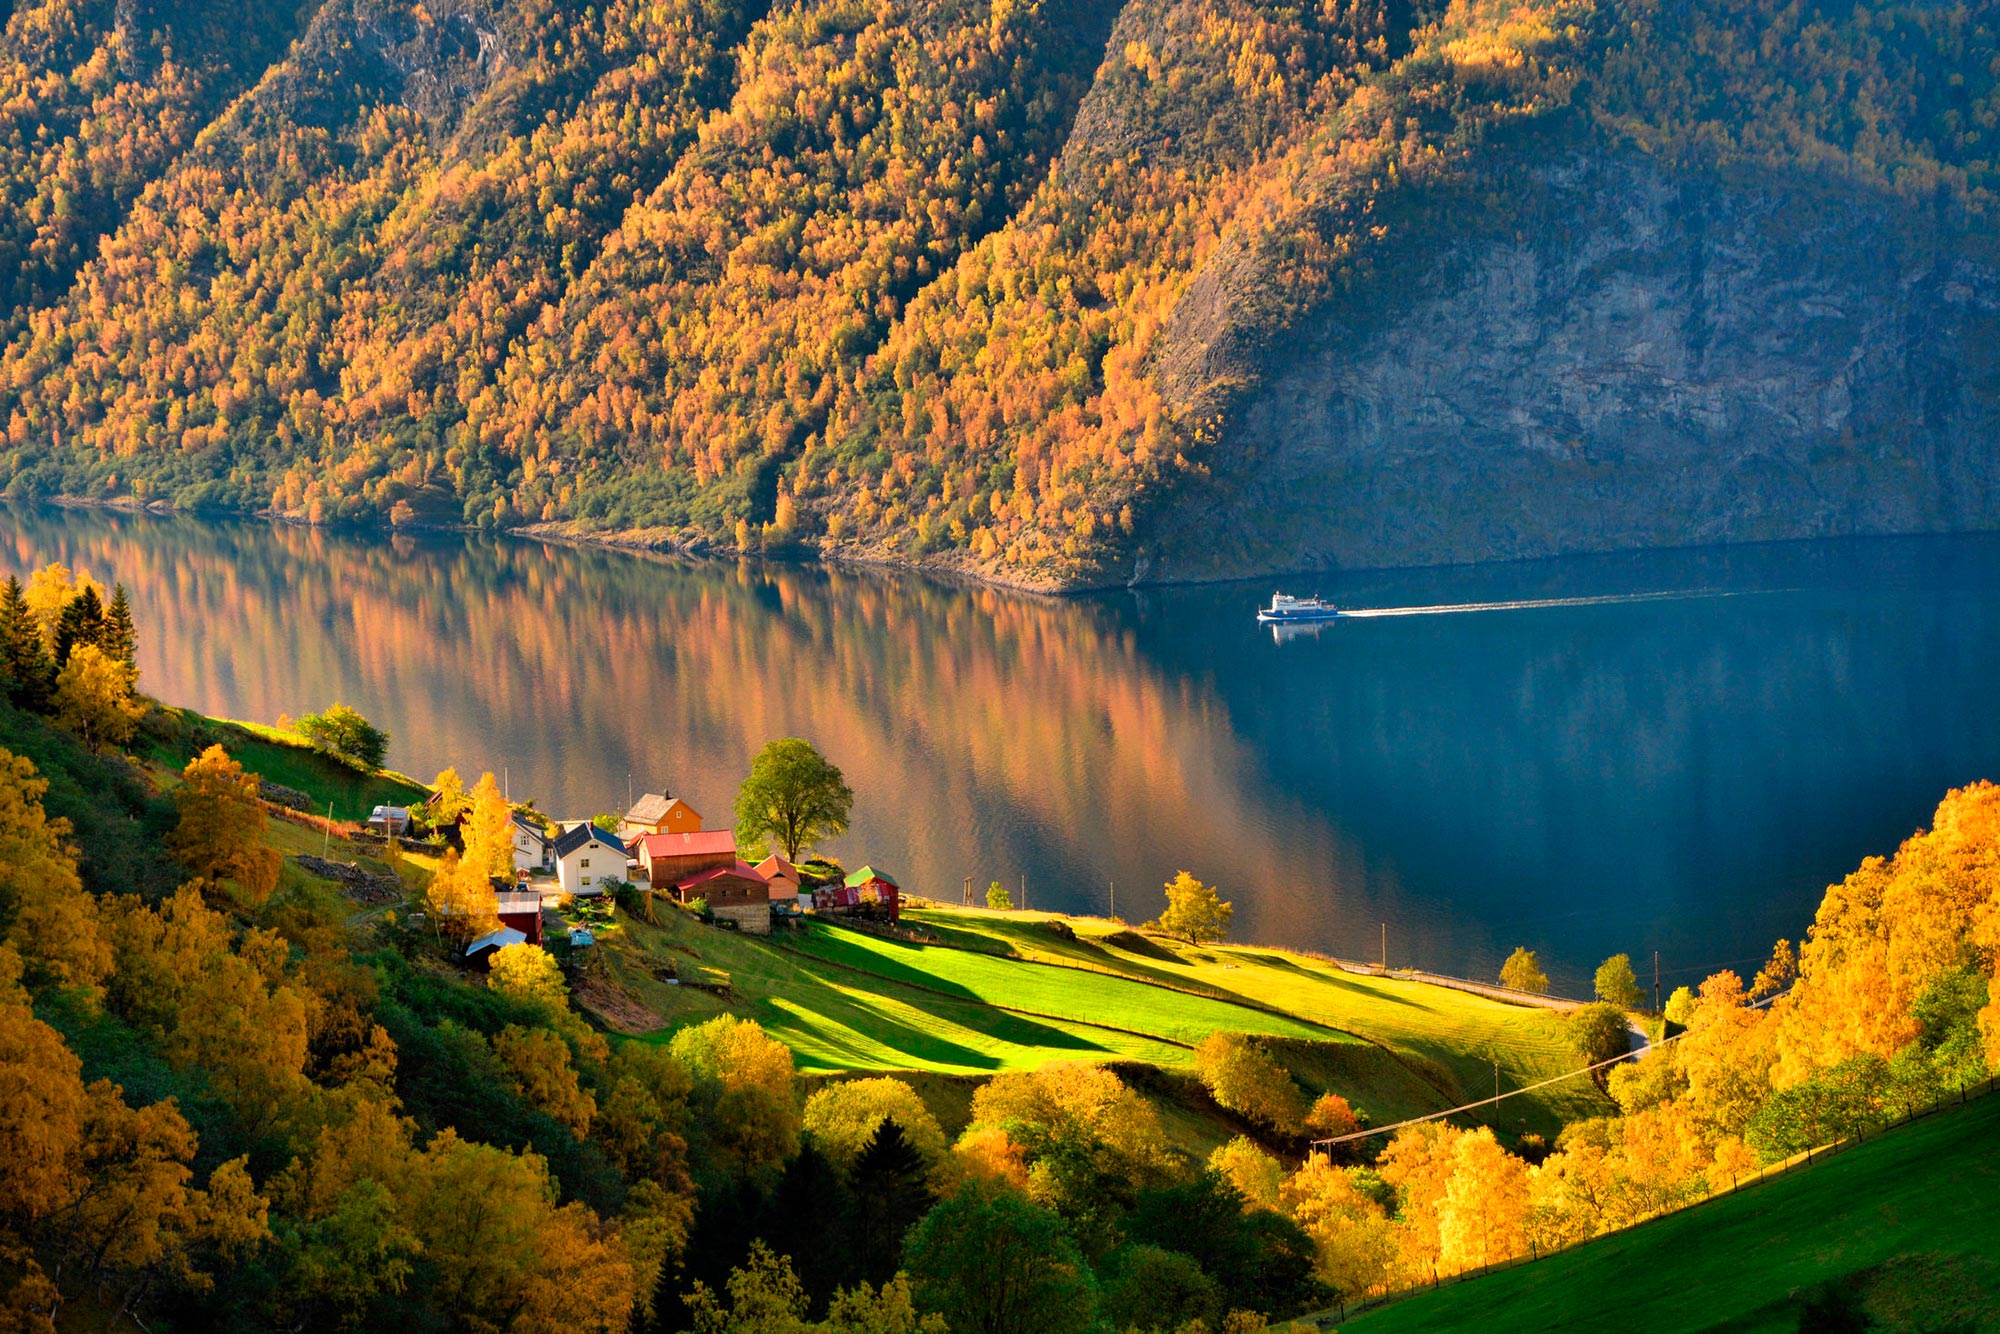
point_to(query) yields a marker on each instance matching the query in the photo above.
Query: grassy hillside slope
(967, 283)
(1901, 1228)
(1006, 993)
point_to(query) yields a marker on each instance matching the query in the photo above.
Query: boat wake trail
(1532, 604)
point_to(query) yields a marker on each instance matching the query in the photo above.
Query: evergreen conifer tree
(891, 1192)
(29, 675)
(81, 622)
(121, 638)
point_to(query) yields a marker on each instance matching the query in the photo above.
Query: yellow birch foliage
(94, 698)
(1418, 1163)
(1354, 1243)
(56, 927)
(1726, 1056)
(842, 1118)
(461, 898)
(1482, 1219)
(1886, 931)
(229, 1007)
(489, 840)
(221, 831)
(1256, 1175)
(538, 1063)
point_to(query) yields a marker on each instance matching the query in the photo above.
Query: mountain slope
(1053, 294)
(1899, 1227)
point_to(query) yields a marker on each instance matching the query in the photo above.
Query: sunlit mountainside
(1053, 293)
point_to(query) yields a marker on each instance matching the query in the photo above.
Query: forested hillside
(1013, 286)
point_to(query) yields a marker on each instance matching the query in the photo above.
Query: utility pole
(1114, 900)
(506, 781)
(968, 891)
(1657, 1009)
(326, 844)
(1024, 891)
(1385, 947)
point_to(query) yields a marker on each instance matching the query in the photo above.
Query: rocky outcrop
(1641, 358)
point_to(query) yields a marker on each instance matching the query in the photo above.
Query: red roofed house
(667, 859)
(865, 893)
(735, 891)
(783, 879)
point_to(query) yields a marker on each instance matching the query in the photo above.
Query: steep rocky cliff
(1642, 357)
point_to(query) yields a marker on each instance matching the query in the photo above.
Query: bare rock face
(1644, 359)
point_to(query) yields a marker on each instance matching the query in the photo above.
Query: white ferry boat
(1285, 608)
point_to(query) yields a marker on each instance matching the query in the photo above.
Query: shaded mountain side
(1050, 294)
(1624, 356)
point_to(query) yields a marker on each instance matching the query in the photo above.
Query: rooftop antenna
(506, 782)
(628, 789)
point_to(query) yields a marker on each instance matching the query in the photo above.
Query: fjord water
(1672, 751)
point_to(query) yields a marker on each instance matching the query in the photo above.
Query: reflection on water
(1611, 765)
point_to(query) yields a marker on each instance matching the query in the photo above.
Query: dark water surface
(1622, 771)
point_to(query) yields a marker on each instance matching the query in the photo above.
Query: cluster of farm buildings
(661, 847)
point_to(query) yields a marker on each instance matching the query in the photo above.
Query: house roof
(866, 874)
(391, 813)
(689, 845)
(742, 869)
(577, 835)
(493, 940)
(523, 822)
(655, 807)
(775, 865)
(517, 901)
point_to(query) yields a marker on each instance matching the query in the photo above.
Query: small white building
(587, 858)
(531, 845)
(391, 820)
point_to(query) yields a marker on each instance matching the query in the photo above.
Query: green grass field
(1904, 1226)
(284, 759)
(1007, 993)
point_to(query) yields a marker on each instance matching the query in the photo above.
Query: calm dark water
(1624, 772)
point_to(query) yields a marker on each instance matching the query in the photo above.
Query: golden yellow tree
(1354, 1243)
(489, 839)
(538, 1063)
(220, 835)
(462, 901)
(94, 698)
(843, 1117)
(54, 924)
(1418, 1163)
(1256, 1175)
(1195, 912)
(1482, 1219)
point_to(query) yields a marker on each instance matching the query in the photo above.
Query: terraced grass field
(1897, 1234)
(1008, 992)
(1456, 1038)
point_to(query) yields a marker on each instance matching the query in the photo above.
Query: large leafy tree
(342, 731)
(995, 1262)
(94, 698)
(794, 796)
(221, 831)
(1617, 984)
(1195, 912)
(1523, 972)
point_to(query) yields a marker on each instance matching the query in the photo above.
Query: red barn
(668, 859)
(522, 910)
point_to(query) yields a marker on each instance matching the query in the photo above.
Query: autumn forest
(971, 283)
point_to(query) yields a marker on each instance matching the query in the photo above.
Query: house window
(586, 862)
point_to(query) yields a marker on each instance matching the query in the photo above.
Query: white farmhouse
(531, 845)
(587, 858)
